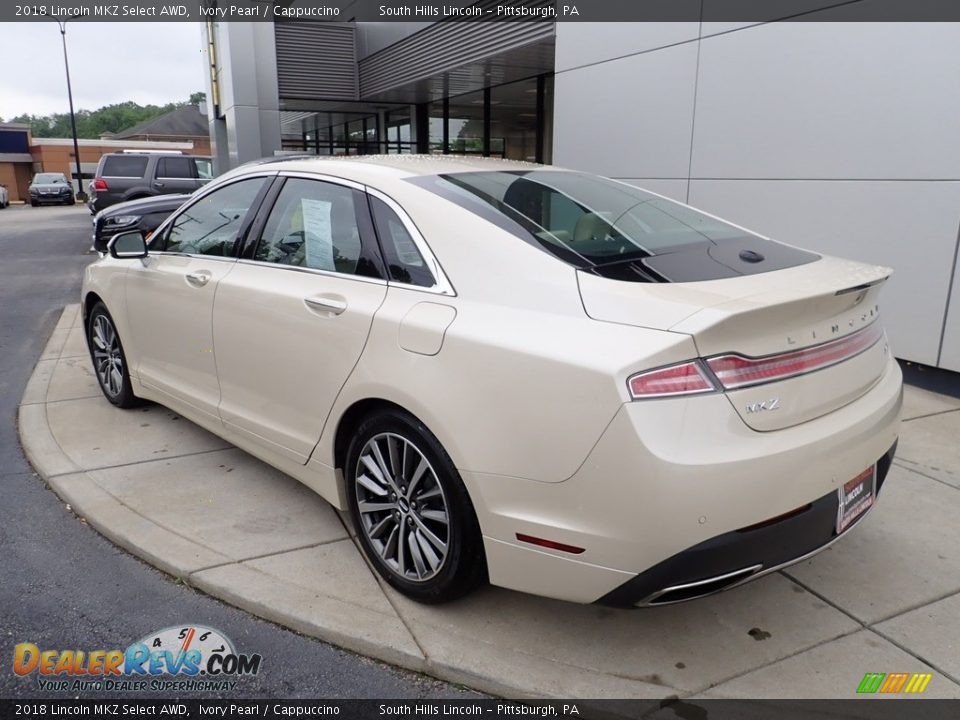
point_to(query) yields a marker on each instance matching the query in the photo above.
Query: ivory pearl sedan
(561, 383)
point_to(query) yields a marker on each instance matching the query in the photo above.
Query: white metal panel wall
(840, 137)
(629, 117)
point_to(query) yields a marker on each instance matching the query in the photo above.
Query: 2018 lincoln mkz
(562, 383)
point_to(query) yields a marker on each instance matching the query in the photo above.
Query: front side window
(313, 224)
(211, 225)
(404, 261)
(174, 167)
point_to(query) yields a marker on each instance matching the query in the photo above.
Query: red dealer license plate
(856, 497)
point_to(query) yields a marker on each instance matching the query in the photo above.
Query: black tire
(463, 566)
(71, 201)
(103, 353)
(33, 203)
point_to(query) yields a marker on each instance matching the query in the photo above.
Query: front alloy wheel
(109, 362)
(412, 513)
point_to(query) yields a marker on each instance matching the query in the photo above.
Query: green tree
(91, 124)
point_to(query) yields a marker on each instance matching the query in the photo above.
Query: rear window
(124, 166)
(611, 228)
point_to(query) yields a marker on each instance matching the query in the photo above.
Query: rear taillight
(684, 379)
(736, 371)
(100, 184)
(732, 371)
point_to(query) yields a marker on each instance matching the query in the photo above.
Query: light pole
(81, 195)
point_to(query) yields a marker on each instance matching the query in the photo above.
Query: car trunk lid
(826, 309)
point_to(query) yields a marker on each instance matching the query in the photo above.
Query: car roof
(370, 168)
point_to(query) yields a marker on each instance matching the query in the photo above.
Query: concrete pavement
(881, 600)
(62, 584)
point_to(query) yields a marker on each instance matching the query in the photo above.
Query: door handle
(325, 304)
(199, 278)
(157, 183)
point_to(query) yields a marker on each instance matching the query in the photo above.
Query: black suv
(51, 188)
(145, 215)
(130, 175)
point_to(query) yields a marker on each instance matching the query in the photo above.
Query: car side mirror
(128, 245)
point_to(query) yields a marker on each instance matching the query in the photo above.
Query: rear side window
(175, 167)
(124, 166)
(404, 261)
(314, 224)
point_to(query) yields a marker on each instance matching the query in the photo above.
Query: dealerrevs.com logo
(175, 659)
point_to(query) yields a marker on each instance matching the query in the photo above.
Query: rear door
(175, 174)
(291, 320)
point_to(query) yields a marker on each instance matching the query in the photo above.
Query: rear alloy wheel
(412, 513)
(109, 362)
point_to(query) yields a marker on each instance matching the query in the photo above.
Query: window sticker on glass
(317, 233)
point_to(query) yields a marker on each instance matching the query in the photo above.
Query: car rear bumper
(736, 557)
(662, 497)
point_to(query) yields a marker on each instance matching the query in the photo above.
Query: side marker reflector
(552, 544)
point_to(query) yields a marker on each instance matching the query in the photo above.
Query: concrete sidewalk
(885, 599)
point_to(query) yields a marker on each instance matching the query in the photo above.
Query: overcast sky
(109, 62)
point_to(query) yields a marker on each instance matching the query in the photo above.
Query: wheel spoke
(374, 469)
(98, 340)
(433, 492)
(372, 486)
(381, 463)
(417, 474)
(369, 507)
(437, 542)
(436, 515)
(377, 530)
(432, 558)
(390, 546)
(401, 553)
(116, 380)
(416, 555)
(393, 448)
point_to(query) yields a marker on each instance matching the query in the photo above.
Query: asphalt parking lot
(884, 599)
(63, 584)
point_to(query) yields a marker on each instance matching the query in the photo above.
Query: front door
(170, 295)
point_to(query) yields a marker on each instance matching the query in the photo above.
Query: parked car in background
(579, 388)
(51, 188)
(4, 197)
(145, 215)
(131, 175)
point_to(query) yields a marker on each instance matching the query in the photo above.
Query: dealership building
(841, 137)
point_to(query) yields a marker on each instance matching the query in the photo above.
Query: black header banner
(737, 11)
